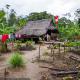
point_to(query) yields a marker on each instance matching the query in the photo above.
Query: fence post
(53, 54)
(59, 50)
(39, 51)
(5, 74)
(64, 51)
(51, 50)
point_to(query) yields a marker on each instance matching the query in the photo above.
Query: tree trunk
(4, 47)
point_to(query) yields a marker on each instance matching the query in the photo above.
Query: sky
(56, 7)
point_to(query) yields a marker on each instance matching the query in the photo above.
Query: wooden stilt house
(39, 28)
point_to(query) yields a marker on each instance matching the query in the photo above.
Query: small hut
(36, 29)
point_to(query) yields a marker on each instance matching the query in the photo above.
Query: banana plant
(7, 30)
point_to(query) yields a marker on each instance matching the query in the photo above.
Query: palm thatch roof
(36, 28)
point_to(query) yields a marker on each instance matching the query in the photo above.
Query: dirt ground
(32, 69)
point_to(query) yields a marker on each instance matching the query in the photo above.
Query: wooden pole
(51, 50)
(64, 51)
(39, 51)
(64, 48)
(5, 74)
(59, 50)
(53, 54)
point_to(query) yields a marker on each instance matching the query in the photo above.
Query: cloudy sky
(56, 7)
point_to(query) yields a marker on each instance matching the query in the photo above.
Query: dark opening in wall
(49, 31)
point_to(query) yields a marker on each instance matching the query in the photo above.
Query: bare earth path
(31, 71)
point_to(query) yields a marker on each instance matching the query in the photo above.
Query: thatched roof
(36, 28)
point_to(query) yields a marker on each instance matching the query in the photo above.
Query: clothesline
(4, 37)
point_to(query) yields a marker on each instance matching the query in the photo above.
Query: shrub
(17, 41)
(30, 45)
(16, 60)
(18, 45)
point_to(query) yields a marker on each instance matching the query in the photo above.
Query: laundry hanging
(5, 37)
(0, 37)
(9, 36)
(18, 35)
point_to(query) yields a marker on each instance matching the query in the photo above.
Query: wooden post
(64, 51)
(5, 74)
(12, 46)
(51, 50)
(53, 54)
(64, 48)
(59, 50)
(39, 51)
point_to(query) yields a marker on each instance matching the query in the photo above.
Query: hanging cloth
(9, 36)
(4, 37)
(18, 35)
(0, 37)
(12, 36)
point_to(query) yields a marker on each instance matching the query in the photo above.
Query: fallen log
(56, 69)
(58, 73)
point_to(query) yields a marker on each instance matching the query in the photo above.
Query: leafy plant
(16, 60)
(30, 45)
(69, 33)
(18, 45)
(72, 44)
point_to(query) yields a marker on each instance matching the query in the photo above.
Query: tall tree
(7, 7)
(77, 15)
(21, 22)
(63, 22)
(2, 16)
(12, 18)
(39, 16)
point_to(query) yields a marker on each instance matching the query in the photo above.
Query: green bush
(18, 45)
(30, 45)
(16, 60)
